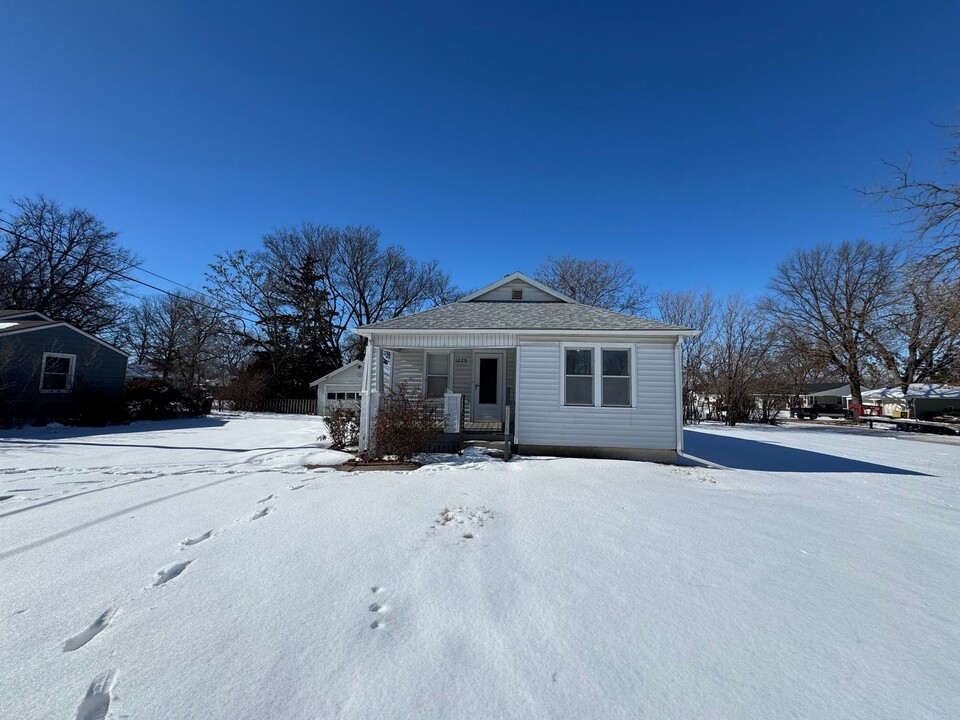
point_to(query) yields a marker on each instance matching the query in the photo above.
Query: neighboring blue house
(51, 370)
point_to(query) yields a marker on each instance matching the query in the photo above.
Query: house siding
(651, 425)
(504, 293)
(99, 371)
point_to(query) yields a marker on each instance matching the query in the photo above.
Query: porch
(485, 378)
(472, 389)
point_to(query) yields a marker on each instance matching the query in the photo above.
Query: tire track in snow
(110, 516)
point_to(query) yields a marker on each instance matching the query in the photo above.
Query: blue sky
(699, 142)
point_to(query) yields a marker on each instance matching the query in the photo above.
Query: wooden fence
(291, 406)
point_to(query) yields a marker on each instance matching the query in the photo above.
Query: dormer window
(517, 294)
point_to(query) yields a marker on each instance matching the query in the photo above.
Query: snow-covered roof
(916, 390)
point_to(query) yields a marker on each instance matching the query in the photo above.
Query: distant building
(48, 368)
(341, 388)
(922, 400)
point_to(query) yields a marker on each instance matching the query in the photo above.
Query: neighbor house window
(615, 388)
(331, 396)
(578, 387)
(57, 372)
(438, 374)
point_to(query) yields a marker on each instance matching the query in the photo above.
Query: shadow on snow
(742, 454)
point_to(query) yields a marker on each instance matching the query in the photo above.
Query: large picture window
(438, 374)
(616, 378)
(578, 372)
(57, 372)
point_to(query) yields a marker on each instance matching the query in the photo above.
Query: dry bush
(344, 427)
(405, 423)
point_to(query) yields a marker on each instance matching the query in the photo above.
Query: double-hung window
(438, 374)
(615, 387)
(57, 372)
(579, 376)
(597, 376)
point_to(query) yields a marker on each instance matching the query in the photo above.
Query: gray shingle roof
(510, 316)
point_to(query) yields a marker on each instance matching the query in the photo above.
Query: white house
(341, 388)
(922, 399)
(576, 379)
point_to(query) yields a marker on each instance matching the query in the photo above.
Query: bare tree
(830, 297)
(64, 263)
(930, 207)
(695, 309)
(917, 337)
(602, 283)
(739, 356)
(301, 294)
(378, 283)
(180, 336)
(364, 281)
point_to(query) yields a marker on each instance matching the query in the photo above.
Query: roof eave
(370, 330)
(56, 324)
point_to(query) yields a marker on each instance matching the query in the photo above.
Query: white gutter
(368, 332)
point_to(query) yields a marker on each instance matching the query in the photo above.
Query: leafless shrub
(406, 421)
(344, 427)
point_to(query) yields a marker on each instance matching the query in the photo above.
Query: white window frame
(427, 375)
(564, 376)
(70, 375)
(598, 349)
(629, 375)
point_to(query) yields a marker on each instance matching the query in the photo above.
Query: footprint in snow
(261, 513)
(169, 573)
(96, 703)
(377, 608)
(196, 540)
(89, 633)
(296, 487)
(266, 499)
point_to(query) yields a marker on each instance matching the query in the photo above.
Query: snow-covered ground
(197, 569)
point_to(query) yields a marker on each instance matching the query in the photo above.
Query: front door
(488, 387)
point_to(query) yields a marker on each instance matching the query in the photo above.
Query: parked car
(818, 410)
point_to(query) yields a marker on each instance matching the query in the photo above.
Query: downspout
(365, 402)
(678, 382)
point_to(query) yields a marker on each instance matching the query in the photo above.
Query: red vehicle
(866, 410)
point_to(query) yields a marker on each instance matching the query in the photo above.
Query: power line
(119, 274)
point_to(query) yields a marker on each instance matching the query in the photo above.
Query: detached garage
(341, 388)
